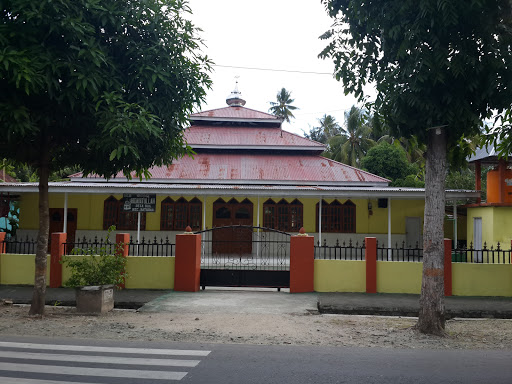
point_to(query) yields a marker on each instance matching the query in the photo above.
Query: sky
(282, 35)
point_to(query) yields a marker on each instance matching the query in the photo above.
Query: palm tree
(328, 128)
(350, 146)
(282, 108)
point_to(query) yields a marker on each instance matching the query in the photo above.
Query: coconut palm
(283, 107)
(351, 145)
(328, 128)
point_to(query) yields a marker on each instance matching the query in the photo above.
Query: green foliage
(106, 85)
(328, 128)
(388, 161)
(99, 266)
(283, 107)
(433, 62)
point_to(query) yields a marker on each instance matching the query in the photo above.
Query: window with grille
(113, 214)
(177, 215)
(337, 217)
(282, 216)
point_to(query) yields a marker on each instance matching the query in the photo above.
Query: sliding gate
(245, 256)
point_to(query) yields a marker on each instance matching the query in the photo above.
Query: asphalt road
(25, 360)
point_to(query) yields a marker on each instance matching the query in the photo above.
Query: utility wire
(273, 70)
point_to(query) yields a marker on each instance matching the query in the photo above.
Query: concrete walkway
(233, 300)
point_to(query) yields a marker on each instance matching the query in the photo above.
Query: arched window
(283, 216)
(177, 215)
(337, 217)
(113, 214)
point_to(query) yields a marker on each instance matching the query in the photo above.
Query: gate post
(370, 257)
(187, 262)
(56, 252)
(302, 263)
(447, 267)
(122, 249)
(2, 242)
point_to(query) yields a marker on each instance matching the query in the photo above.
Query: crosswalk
(38, 363)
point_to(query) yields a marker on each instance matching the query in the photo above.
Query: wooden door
(232, 240)
(57, 223)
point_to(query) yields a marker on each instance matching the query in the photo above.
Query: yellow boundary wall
(340, 276)
(399, 277)
(481, 279)
(144, 272)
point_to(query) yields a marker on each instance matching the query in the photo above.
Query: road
(25, 360)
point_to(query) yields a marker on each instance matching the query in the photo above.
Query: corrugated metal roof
(262, 168)
(235, 113)
(250, 136)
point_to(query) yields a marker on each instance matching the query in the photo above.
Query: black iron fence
(81, 246)
(486, 255)
(20, 246)
(340, 251)
(400, 252)
(143, 248)
(243, 247)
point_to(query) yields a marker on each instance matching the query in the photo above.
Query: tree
(439, 67)
(351, 146)
(389, 161)
(102, 84)
(283, 107)
(328, 128)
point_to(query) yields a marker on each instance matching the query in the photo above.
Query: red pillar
(122, 240)
(447, 267)
(56, 252)
(478, 179)
(187, 262)
(371, 264)
(302, 263)
(502, 167)
(2, 244)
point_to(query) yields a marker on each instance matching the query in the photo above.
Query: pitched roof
(246, 136)
(234, 113)
(267, 169)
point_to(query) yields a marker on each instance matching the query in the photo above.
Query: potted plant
(95, 272)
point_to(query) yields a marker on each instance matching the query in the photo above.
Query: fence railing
(400, 252)
(20, 246)
(144, 248)
(485, 255)
(343, 251)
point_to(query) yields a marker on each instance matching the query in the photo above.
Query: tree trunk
(38, 296)
(432, 312)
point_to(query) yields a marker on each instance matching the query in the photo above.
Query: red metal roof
(235, 113)
(261, 168)
(246, 136)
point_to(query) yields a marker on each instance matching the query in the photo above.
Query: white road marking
(102, 372)
(98, 359)
(86, 348)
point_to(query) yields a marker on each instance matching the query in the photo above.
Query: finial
(302, 232)
(188, 230)
(235, 98)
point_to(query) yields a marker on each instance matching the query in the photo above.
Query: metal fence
(343, 251)
(20, 246)
(400, 252)
(144, 248)
(482, 256)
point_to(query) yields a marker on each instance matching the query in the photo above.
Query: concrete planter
(96, 299)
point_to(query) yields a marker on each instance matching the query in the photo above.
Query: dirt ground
(267, 329)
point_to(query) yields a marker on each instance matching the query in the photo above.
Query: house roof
(233, 113)
(487, 155)
(198, 135)
(258, 168)
(4, 176)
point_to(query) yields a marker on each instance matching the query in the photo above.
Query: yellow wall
(20, 269)
(148, 272)
(340, 276)
(90, 211)
(399, 277)
(496, 225)
(481, 279)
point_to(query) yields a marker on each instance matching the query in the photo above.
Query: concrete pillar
(371, 264)
(502, 167)
(56, 252)
(122, 248)
(302, 263)
(447, 267)
(2, 244)
(478, 179)
(187, 263)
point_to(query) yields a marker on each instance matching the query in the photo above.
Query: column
(56, 252)
(302, 263)
(187, 263)
(122, 240)
(371, 264)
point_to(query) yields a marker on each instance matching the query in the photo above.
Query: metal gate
(245, 256)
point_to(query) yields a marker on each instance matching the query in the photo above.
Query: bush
(99, 266)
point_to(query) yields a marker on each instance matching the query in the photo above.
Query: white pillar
(320, 222)
(204, 213)
(455, 224)
(138, 233)
(389, 229)
(65, 225)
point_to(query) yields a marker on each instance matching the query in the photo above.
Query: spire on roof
(235, 98)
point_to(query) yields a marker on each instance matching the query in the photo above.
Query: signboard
(139, 202)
